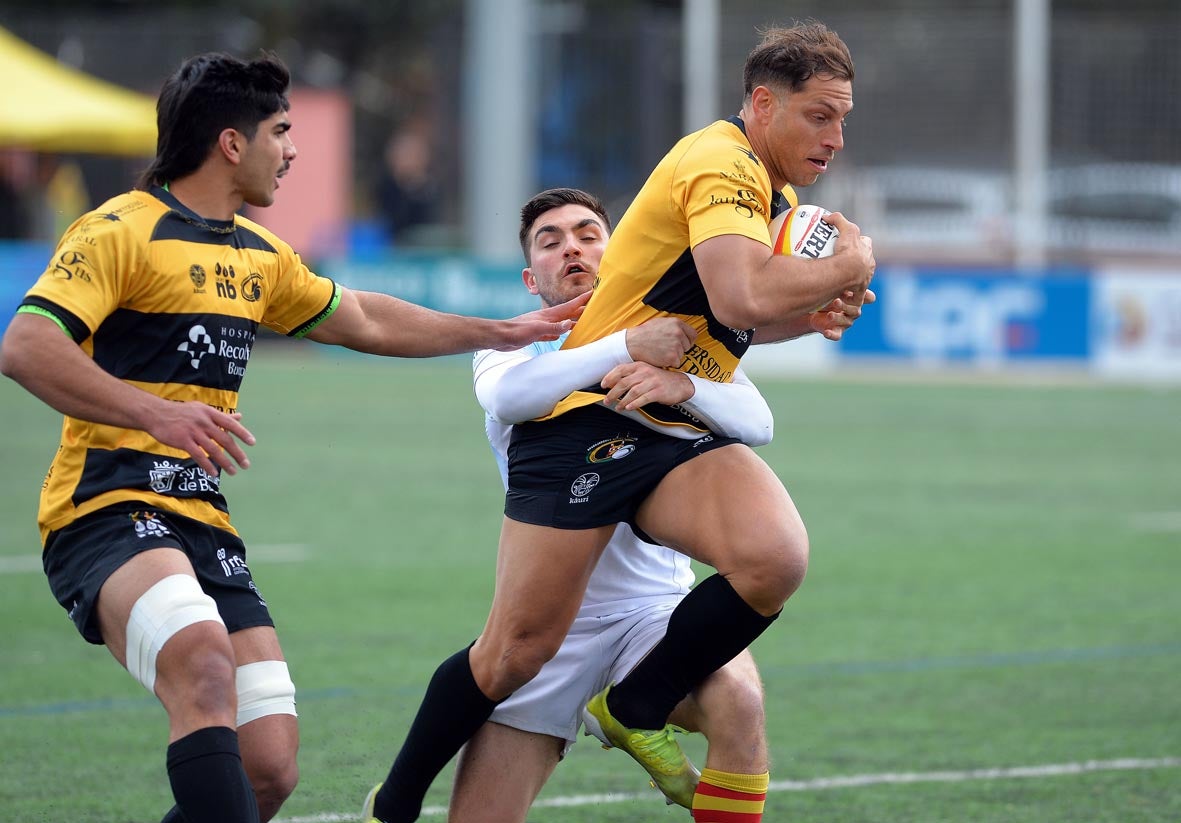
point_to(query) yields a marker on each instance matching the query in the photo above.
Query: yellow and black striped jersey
(169, 302)
(710, 184)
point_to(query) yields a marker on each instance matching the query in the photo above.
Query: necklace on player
(201, 224)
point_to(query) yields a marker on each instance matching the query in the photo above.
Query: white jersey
(520, 385)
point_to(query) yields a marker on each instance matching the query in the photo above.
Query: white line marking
(20, 564)
(263, 552)
(1157, 522)
(820, 783)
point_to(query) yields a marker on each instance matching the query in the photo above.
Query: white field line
(1157, 522)
(820, 783)
(263, 553)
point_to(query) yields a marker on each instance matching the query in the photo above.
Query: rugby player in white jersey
(636, 584)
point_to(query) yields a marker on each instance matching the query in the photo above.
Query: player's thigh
(726, 508)
(126, 585)
(541, 576)
(500, 772)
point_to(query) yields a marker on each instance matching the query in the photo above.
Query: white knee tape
(174, 603)
(264, 688)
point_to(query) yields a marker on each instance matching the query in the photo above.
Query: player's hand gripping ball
(801, 232)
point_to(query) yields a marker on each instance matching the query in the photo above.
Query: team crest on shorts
(581, 487)
(146, 525)
(616, 448)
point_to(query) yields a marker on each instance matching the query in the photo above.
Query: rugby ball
(801, 232)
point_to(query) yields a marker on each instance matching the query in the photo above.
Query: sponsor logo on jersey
(167, 477)
(224, 280)
(197, 346)
(72, 263)
(700, 362)
(233, 346)
(163, 475)
(581, 487)
(197, 275)
(744, 201)
(740, 173)
(252, 287)
(616, 448)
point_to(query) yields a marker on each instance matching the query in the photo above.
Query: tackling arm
(735, 409)
(518, 386)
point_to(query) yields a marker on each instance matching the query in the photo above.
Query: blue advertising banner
(975, 315)
(450, 283)
(20, 265)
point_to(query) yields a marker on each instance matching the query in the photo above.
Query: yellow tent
(49, 107)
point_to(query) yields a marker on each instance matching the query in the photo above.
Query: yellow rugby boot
(657, 751)
(367, 809)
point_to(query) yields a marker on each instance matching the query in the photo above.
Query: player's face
(565, 246)
(806, 129)
(266, 158)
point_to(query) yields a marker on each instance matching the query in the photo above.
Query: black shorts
(591, 467)
(80, 557)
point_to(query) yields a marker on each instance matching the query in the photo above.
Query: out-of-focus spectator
(407, 194)
(14, 206)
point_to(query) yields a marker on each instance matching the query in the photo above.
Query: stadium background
(990, 627)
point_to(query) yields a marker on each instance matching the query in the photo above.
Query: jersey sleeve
(88, 275)
(722, 190)
(735, 409)
(299, 299)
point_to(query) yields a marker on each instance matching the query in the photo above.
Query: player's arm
(38, 355)
(750, 288)
(729, 409)
(735, 409)
(831, 320)
(377, 323)
(518, 387)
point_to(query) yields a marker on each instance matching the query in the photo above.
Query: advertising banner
(1136, 324)
(974, 316)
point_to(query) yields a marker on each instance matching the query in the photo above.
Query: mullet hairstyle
(540, 203)
(791, 56)
(208, 94)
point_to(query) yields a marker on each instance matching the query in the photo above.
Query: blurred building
(928, 168)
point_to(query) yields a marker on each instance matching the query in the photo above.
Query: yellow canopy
(47, 106)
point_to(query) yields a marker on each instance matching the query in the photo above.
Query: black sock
(452, 710)
(706, 631)
(173, 815)
(208, 781)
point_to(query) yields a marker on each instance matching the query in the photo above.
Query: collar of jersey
(169, 199)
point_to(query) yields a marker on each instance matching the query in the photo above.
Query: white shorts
(597, 652)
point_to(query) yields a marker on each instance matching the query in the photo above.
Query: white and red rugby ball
(801, 232)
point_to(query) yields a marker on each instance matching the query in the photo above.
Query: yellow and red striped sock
(723, 797)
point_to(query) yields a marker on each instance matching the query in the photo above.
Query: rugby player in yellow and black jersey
(694, 245)
(139, 331)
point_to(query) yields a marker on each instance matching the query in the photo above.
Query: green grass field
(995, 585)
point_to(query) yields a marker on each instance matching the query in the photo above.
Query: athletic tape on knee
(172, 604)
(264, 688)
